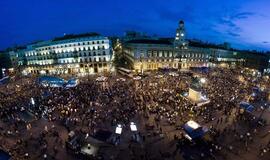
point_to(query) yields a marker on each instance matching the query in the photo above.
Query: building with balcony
(71, 54)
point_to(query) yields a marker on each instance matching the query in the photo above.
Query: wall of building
(86, 55)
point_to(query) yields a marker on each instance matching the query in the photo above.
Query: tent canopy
(194, 130)
(57, 82)
(51, 80)
(246, 106)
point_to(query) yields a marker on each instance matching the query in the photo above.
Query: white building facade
(153, 54)
(80, 55)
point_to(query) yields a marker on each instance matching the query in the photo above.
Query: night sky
(243, 23)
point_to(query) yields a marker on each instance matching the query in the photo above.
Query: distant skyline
(243, 23)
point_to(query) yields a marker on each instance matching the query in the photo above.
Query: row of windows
(161, 54)
(63, 51)
(170, 54)
(89, 66)
(160, 60)
(195, 60)
(85, 60)
(154, 65)
(195, 55)
(170, 60)
(81, 54)
(82, 60)
(39, 62)
(70, 45)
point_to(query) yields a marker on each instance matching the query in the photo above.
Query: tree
(5, 61)
(122, 59)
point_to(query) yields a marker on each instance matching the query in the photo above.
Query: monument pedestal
(194, 95)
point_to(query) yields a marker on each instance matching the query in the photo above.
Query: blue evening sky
(243, 23)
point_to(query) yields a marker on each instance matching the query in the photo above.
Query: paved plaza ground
(156, 105)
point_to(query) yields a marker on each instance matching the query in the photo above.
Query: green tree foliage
(5, 61)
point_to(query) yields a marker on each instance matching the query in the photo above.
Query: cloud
(242, 15)
(227, 22)
(230, 21)
(233, 34)
(265, 42)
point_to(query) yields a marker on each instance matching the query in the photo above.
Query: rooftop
(72, 36)
(150, 41)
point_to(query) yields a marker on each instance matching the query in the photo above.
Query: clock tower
(180, 37)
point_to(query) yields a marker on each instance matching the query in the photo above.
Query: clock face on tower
(180, 35)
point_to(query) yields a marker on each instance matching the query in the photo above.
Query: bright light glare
(118, 129)
(32, 101)
(133, 127)
(203, 80)
(193, 124)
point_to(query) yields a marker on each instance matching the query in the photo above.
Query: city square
(34, 130)
(134, 80)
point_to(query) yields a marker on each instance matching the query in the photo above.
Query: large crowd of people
(36, 121)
